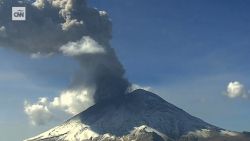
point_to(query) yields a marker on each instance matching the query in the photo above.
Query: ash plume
(69, 28)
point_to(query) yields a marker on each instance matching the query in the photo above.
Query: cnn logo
(18, 13)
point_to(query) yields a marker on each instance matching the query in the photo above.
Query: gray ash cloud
(70, 28)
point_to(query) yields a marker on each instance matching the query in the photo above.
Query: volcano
(137, 116)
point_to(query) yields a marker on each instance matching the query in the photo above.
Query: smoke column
(70, 28)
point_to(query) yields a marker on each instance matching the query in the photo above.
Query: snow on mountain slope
(73, 130)
(138, 112)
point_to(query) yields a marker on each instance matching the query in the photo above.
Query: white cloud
(70, 102)
(39, 112)
(2, 28)
(70, 23)
(85, 46)
(236, 89)
(73, 101)
(2, 31)
(40, 4)
(40, 55)
(66, 5)
(136, 86)
(103, 13)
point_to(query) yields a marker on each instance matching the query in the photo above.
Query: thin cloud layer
(134, 87)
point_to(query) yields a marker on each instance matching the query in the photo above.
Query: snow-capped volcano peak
(139, 113)
(140, 107)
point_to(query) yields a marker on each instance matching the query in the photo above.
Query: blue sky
(187, 51)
